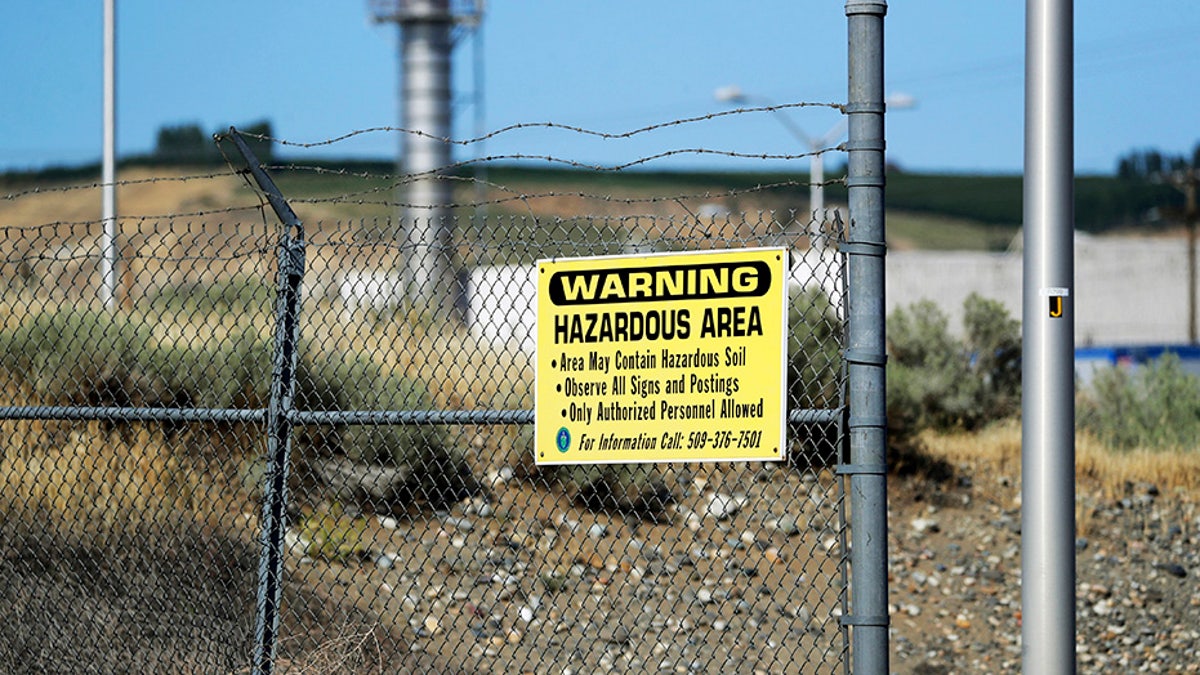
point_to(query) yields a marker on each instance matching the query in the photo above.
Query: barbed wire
(139, 218)
(391, 182)
(355, 197)
(94, 185)
(543, 125)
(605, 168)
(265, 250)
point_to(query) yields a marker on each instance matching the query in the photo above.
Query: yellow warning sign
(659, 358)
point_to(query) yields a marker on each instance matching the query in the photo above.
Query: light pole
(108, 179)
(816, 145)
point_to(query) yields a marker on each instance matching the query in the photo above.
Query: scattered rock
(788, 525)
(1174, 569)
(722, 506)
(431, 625)
(617, 635)
(924, 525)
(296, 543)
(460, 524)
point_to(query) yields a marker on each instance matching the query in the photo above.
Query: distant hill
(925, 210)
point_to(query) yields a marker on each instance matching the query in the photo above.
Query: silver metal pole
(865, 346)
(425, 27)
(1048, 372)
(108, 170)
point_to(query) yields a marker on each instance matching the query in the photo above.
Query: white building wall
(1127, 290)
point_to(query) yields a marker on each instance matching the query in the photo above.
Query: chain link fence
(266, 457)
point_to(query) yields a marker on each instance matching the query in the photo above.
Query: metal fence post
(279, 413)
(865, 348)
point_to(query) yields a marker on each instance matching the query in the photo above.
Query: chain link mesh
(420, 535)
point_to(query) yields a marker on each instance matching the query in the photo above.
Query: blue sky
(319, 69)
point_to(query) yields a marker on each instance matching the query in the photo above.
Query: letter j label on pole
(1055, 297)
(1056, 307)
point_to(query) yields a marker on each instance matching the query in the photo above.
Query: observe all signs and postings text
(659, 358)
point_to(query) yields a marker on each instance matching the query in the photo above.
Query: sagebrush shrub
(87, 357)
(938, 381)
(1156, 406)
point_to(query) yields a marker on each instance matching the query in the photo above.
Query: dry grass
(996, 452)
(460, 371)
(351, 651)
(92, 481)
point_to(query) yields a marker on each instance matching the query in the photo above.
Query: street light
(816, 145)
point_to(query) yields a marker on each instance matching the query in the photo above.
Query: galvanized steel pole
(425, 27)
(108, 171)
(1048, 371)
(866, 349)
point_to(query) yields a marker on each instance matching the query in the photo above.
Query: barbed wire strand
(395, 181)
(94, 185)
(550, 125)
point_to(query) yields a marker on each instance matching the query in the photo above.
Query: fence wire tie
(872, 181)
(862, 357)
(869, 248)
(852, 620)
(867, 422)
(862, 469)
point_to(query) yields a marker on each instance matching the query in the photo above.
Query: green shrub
(84, 357)
(79, 357)
(332, 379)
(239, 295)
(941, 382)
(1156, 406)
(815, 374)
(335, 535)
(815, 343)
(229, 372)
(354, 381)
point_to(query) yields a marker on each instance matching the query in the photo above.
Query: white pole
(816, 194)
(1048, 368)
(108, 241)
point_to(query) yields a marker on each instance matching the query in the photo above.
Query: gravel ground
(530, 582)
(955, 579)
(742, 575)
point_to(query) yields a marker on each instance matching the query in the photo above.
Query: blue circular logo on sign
(563, 440)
